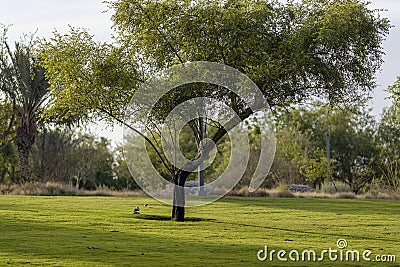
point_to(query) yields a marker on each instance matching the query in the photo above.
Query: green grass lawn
(102, 231)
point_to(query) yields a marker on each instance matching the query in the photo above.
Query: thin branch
(142, 135)
(195, 130)
(174, 144)
(153, 136)
(162, 34)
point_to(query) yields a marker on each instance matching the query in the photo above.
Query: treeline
(363, 150)
(363, 153)
(81, 161)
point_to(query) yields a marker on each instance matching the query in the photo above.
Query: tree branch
(142, 135)
(163, 35)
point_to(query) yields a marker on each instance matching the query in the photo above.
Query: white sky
(47, 15)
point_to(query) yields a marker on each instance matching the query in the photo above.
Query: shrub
(281, 191)
(332, 188)
(346, 195)
(369, 195)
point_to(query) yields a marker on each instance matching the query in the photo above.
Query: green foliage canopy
(292, 51)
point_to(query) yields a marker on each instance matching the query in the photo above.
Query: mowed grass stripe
(102, 231)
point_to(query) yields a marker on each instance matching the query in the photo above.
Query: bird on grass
(136, 210)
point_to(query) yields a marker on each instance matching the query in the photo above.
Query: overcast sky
(47, 15)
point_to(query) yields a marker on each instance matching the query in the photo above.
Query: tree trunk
(178, 208)
(24, 140)
(78, 181)
(23, 159)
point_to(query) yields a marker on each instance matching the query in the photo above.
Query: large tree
(24, 87)
(292, 51)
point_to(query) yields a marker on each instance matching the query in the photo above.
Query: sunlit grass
(102, 231)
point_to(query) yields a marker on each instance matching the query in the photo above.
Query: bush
(370, 195)
(240, 192)
(333, 188)
(281, 191)
(38, 189)
(260, 192)
(345, 195)
(57, 189)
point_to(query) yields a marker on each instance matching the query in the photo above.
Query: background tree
(7, 123)
(291, 51)
(68, 157)
(49, 161)
(394, 89)
(24, 87)
(389, 141)
(123, 178)
(8, 157)
(298, 158)
(352, 142)
(353, 148)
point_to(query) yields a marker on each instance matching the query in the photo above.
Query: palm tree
(23, 84)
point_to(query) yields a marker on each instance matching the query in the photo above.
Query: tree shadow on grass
(152, 217)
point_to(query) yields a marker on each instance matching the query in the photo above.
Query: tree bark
(24, 139)
(178, 208)
(23, 159)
